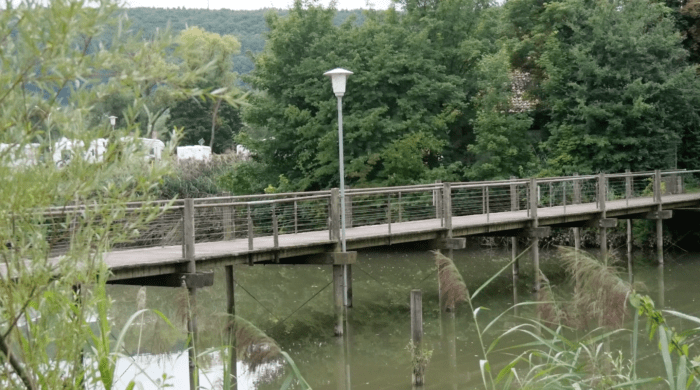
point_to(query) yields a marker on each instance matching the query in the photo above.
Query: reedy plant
(57, 59)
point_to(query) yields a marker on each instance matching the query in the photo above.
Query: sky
(253, 4)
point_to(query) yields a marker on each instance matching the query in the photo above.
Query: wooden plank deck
(168, 259)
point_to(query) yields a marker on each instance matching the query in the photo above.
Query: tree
(503, 147)
(55, 66)
(620, 92)
(200, 49)
(401, 97)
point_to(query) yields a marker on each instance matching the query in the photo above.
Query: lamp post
(339, 77)
(112, 121)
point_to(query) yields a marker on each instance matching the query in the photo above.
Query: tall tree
(199, 49)
(406, 94)
(618, 86)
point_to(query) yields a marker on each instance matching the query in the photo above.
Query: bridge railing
(262, 219)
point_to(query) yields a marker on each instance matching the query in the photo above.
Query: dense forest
(450, 90)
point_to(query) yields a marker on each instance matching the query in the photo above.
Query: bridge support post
(231, 329)
(535, 239)
(338, 287)
(189, 233)
(630, 261)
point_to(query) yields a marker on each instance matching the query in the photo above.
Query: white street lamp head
(338, 77)
(113, 120)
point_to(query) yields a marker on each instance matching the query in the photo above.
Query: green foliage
(405, 110)
(618, 88)
(55, 68)
(503, 147)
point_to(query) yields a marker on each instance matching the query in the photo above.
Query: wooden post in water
(630, 260)
(338, 298)
(189, 235)
(535, 240)
(338, 269)
(418, 376)
(659, 222)
(231, 330)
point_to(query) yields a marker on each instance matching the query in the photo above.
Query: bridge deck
(166, 259)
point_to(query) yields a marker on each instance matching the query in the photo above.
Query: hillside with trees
(248, 27)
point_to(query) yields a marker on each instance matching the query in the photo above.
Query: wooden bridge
(294, 228)
(304, 228)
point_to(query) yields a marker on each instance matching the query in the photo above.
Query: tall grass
(559, 357)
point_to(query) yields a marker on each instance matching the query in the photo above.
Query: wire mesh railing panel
(302, 216)
(365, 210)
(468, 201)
(413, 206)
(688, 182)
(164, 230)
(642, 185)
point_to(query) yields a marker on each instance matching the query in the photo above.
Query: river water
(293, 304)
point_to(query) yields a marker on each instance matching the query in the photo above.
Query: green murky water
(293, 304)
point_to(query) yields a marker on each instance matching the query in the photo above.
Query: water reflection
(372, 353)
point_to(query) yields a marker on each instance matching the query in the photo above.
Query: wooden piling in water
(231, 310)
(630, 261)
(189, 238)
(348, 285)
(418, 376)
(338, 286)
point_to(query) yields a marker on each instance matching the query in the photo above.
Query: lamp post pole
(339, 77)
(341, 158)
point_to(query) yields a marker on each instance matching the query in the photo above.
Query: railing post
(227, 219)
(437, 200)
(250, 229)
(388, 212)
(577, 200)
(400, 206)
(628, 186)
(334, 215)
(563, 191)
(296, 218)
(488, 211)
(601, 192)
(535, 240)
(483, 200)
(602, 195)
(447, 207)
(657, 186)
(275, 233)
(659, 222)
(551, 197)
(514, 203)
(514, 206)
(188, 234)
